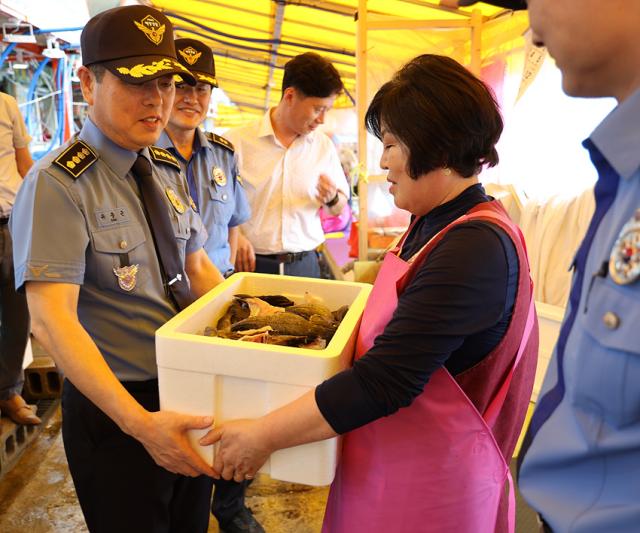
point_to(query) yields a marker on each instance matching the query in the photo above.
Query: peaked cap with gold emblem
(134, 43)
(198, 58)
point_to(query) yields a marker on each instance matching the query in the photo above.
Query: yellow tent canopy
(253, 39)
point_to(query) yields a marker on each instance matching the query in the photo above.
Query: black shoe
(243, 522)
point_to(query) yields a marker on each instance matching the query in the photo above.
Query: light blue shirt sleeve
(49, 231)
(242, 211)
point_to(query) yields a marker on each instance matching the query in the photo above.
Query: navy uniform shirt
(212, 175)
(581, 469)
(79, 229)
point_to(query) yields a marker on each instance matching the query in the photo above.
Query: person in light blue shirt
(580, 457)
(218, 195)
(207, 159)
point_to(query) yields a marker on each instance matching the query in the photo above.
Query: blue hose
(56, 138)
(32, 89)
(56, 30)
(6, 53)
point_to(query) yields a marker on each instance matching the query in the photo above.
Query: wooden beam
(277, 11)
(383, 22)
(476, 42)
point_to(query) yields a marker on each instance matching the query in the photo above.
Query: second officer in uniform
(207, 158)
(212, 176)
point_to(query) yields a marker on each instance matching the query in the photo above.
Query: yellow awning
(253, 39)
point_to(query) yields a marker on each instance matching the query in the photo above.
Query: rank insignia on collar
(624, 262)
(193, 204)
(175, 201)
(190, 54)
(218, 139)
(153, 30)
(126, 277)
(218, 176)
(163, 156)
(77, 158)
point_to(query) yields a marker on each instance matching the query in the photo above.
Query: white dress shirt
(13, 134)
(281, 185)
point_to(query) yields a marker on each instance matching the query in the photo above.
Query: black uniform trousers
(119, 486)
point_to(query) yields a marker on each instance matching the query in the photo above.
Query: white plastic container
(230, 379)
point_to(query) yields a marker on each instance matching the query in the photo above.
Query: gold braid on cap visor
(141, 70)
(204, 77)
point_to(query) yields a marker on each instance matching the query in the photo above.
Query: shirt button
(611, 320)
(224, 197)
(123, 245)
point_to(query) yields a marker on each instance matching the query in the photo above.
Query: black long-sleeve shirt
(453, 313)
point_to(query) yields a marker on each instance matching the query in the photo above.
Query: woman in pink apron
(446, 352)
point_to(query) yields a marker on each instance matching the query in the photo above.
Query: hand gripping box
(230, 379)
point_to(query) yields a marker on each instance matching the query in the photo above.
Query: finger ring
(248, 476)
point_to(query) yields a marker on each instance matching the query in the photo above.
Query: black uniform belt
(4, 221)
(286, 257)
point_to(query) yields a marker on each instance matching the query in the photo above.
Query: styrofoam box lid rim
(170, 329)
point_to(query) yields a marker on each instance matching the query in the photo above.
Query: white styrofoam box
(231, 379)
(549, 320)
(28, 354)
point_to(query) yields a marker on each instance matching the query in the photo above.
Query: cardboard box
(233, 379)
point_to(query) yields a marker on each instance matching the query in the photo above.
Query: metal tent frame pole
(368, 22)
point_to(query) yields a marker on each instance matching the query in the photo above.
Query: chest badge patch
(126, 277)
(175, 201)
(624, 262)
(218, 176)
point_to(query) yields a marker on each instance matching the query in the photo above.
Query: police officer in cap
(108, 249)
(207, 158)
(212, 176)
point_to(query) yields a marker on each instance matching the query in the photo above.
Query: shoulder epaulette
(218, 139)
(77, 158)
(163, 156)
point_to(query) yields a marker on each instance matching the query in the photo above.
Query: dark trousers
(119, 486)
(228, 499)
(307, 266)
(14, 322)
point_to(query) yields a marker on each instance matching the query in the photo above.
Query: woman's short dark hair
(442, 113)
(312, 75)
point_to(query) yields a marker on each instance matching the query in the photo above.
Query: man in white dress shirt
(290, 171)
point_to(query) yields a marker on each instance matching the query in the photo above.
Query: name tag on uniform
(111, 216)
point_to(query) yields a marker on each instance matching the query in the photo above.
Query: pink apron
(434, 466)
